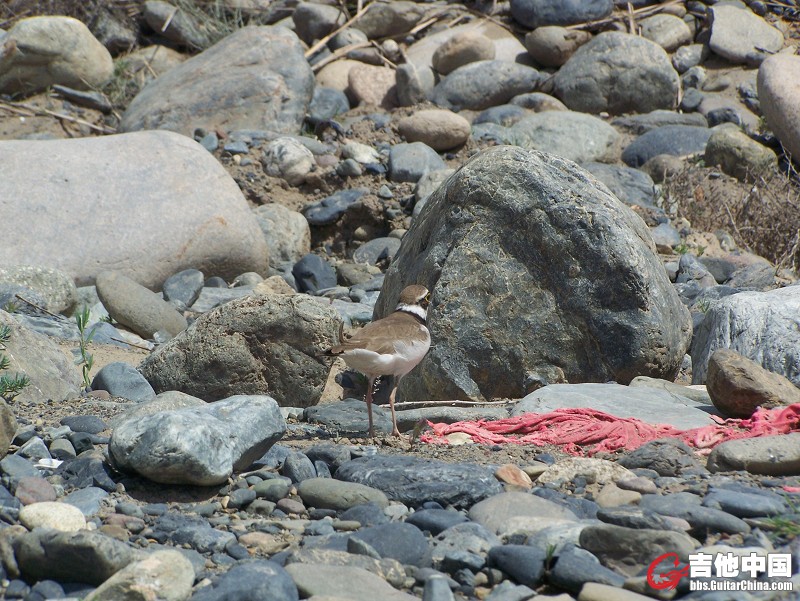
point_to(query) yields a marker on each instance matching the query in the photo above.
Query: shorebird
(391, 346)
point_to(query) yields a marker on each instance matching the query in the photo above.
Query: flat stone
(687, 506)
(668, 457)
(623, 401)
(373, 86)
(769, 455)
(631, 186)
(496, 511)
(575, 567)
(349, 417)
(668, 31)
(737, 154)
(435, 521)
(414, 481)
(355, 584)
(757, 503)
(741, 36)
(675, 140)
(575, 136)
(327, 493)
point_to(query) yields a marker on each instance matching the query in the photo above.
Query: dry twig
(27, 110)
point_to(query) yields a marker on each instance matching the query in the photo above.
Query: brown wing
(379, 336)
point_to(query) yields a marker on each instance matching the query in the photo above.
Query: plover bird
(391, 346)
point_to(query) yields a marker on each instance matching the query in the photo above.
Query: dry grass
(763, 215)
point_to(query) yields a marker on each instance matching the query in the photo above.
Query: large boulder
(146, 204)
(256, 345)
(539, 275)
(618, 73)
(198, 445)
(41, 51)
(779, 98)
(256, 78)
(761, 326)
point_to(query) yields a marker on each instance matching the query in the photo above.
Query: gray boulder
(779, 100)
(256, 78)
(482, 84)
(201, 446)
(134, 184)
(256, 345)
(539, 275)
(761, 326)
(52, 376)
(571, 135)
(618, 73)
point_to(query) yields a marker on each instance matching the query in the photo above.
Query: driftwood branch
(424, 404)
(27, 110)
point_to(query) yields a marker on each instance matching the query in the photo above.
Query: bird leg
(370, 386)
(395, 431)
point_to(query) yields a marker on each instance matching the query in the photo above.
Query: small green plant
(86, 359)
(703, 306)
(783, 527)
(682, 248)
(10, 386)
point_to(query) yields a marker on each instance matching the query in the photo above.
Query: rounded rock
(49, 514)
(440, 129)
(552, 46)
(463, 48)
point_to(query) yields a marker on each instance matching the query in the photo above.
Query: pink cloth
(574, 429)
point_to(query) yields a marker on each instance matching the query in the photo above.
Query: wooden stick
(144, 348)
(645, 11)
(453, 403)
(15, 106)
(35, 306)
(339, 54)
(326, 39)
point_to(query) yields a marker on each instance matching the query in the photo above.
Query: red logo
(664, 572)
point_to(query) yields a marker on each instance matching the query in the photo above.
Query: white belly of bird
(404, 359)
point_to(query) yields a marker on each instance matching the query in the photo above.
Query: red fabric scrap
(574, 429)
